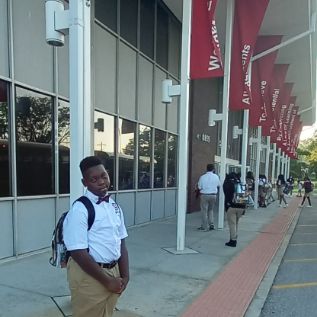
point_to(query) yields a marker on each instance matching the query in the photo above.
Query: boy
(98, 267)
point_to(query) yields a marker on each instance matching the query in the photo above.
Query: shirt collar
(94, 198)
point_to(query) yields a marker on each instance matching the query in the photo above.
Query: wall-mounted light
(236, 132)
(57, 22)
(169, 90)
(213, 117)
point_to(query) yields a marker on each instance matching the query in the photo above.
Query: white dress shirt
(209, 183)
(104, 237)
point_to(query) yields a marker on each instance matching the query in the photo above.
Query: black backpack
(60, 254)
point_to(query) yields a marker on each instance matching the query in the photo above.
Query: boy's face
(96, 179)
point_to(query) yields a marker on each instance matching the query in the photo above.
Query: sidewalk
(162, 284)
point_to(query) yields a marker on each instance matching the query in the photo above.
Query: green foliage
(307, 158)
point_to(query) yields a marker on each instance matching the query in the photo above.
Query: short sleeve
(75, 228)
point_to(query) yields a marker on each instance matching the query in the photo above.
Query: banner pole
(244, 150)
(225, 108)
(182, 171)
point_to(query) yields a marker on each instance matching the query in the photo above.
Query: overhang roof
(288, 18)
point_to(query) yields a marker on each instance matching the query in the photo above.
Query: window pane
(144, 162)
(126, 149)
(172, 161)
(63, 146)
(106, 13)
(104, 143)
(129, 20)
(147, 27)
(159, 159)
(162, 37)
(4, 141)
(34, 117)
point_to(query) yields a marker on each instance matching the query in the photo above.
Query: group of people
(235, 203)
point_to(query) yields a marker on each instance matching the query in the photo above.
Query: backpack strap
(90, 208)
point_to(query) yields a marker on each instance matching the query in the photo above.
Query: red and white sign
(248, 18)
(276, 85)
(205, 55)
(262, 70)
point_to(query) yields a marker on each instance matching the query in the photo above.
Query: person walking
(299, 188)
(98, 267)
(234, 210)
(280, 186)
(208, 186)
(290, 182)
(308, 188)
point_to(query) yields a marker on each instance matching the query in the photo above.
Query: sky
(308, 132)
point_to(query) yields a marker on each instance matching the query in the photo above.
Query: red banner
(276, 84)
(286, 123)
(261, 75)
(248, 18)
(205, 55)
(281, 112)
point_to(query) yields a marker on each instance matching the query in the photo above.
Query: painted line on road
(301, 260)
(307, 225)
(298, 285)
(301, 244)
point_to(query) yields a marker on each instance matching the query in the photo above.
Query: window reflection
(144, 161)
(126, 149)
(104, 142)
(34, 117)
(172, 161)
(4, 144)
(63, 145)
(159, 158)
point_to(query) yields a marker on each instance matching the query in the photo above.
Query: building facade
(135, 45)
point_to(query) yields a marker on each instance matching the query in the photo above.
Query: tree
(307, 162)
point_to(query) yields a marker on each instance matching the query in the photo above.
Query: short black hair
(210, 167)
(88, 162)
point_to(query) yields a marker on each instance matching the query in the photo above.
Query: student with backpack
(98, 266)
(308, 188)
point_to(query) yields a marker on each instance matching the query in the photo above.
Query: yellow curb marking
(298, 285)
(301, 260)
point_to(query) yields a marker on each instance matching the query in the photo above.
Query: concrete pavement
(162, 284)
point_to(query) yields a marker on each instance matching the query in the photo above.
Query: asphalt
(162, 284)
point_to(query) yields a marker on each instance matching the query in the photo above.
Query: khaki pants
(207, 204)
(233, 216)
(90, 298)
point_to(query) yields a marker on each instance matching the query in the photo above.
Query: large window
(147, 27)
(162, 37)
(129, 20)
(171, 160)
(106, 13)
(34, 143)
(104, 144)
(4, 141)
(126, 150)
(63, 146)
(144, 161)
(159, 158)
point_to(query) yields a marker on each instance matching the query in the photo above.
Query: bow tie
(101, 199)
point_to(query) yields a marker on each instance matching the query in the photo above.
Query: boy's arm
(89, 265)
(124, 265)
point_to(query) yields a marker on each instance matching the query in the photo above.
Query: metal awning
(288, 18)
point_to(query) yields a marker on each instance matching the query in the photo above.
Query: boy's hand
(115, 285)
